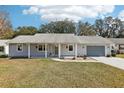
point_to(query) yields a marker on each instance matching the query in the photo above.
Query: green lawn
(46, 73)
(120, 55)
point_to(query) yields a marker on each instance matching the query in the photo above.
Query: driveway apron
(116, 62)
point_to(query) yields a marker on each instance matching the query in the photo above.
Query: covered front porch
(51, 50)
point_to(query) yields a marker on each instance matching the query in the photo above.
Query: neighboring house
(4, 49)
(58, 45)
(119, 44)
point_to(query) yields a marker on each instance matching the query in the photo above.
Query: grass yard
(46, 73)
(120, 55)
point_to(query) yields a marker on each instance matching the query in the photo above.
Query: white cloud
(121, 15)
(31, 10)
(74, 13)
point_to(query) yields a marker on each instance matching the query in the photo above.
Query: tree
(121, 31)
(25, 30)
(65, 26)
(6, 30)
(86, 29)
(99, 27)
(108, 27)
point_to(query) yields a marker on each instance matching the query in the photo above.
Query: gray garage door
(95, 51)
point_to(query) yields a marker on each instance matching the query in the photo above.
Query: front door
(56, 50)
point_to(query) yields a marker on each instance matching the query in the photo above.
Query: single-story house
(4, 49)
(58, 45)
(119, 44)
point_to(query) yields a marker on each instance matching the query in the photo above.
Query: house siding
(108, 50)
(50, 50)
(65, 50)
(14, 53)
(34, 51)
(81, 50)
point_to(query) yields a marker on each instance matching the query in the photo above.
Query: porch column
(8, 50)
(59, 51)
(45, 50)
(29, 51)
(75, 51)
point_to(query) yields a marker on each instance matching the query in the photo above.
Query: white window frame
(3, 49)
(72, 47)
(17, 48)
(43, 46)
(121, 46)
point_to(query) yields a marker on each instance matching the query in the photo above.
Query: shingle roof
(3, 42)
(59, 38)
(117, 40)
(22, 39)
(93, 40)
(45, 38)
(56, 38)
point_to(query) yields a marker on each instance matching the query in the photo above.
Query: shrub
(3, 56)
(113, 53)
(73, 58)
(84, 57)
(108, 55)
(118, 52)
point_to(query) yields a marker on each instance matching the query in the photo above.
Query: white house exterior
(58, 45)
(4, 49)
(119, 44)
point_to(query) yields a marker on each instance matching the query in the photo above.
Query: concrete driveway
(116, 62)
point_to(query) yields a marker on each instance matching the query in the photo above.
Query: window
(41, 48)
(121, 46)
(20, 47)
(70, 47)
(1, 49)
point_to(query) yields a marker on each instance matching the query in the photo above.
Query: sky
(22, 15)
